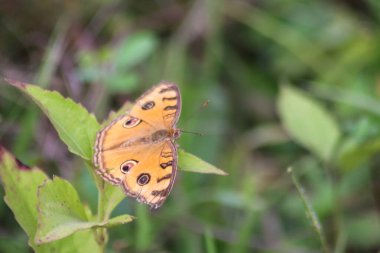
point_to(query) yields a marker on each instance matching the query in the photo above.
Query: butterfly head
(175, 133)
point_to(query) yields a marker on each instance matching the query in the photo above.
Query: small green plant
(50, 210)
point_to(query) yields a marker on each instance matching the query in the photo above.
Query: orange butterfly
(137, 150)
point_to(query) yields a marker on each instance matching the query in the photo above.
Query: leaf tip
(223, 173)
(15, 83)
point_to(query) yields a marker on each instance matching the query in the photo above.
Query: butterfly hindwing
(152, 179)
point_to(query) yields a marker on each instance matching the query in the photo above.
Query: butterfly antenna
(190, 132)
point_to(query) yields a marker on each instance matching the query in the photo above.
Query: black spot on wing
(166, 177)
(148, 105)
(143, 179)
(164, 90)
(164, 165)
(171, 107)
(167, 154)
(169, 98)
(162, 193)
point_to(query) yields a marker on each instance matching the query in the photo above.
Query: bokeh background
(235, 56)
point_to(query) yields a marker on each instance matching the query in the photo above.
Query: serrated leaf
(60, 212)
(76, 127)
(189, 162)
(21, 191)
(311, 125)
(20, 185)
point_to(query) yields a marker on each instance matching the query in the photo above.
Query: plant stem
(101, 234)
(143, 230)
(102, 237)
(310, 212)
(209, 240)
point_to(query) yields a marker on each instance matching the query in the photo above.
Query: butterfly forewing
(160, 106)
(119, 134)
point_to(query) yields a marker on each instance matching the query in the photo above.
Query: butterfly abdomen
(160, 135)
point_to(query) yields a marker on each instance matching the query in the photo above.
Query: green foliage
(21, 192)
(21, 186)
(324, 123)
(319, 133)
(113, 65)
(61, 213)
(310, 212)
(364, 230)
(189, 162)
(75, 126)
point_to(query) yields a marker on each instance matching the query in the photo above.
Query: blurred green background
(240, 56)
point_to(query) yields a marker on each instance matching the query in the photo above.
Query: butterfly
(137, 150)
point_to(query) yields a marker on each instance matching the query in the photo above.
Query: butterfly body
(137, 150)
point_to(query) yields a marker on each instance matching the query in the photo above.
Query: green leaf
(118, 220)
(353, 155)
(75, 126)
(189, 162)
(134, 49)
(20, 185)
(311, 125)
(121, 82)
(112, 65)
(61, 213)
